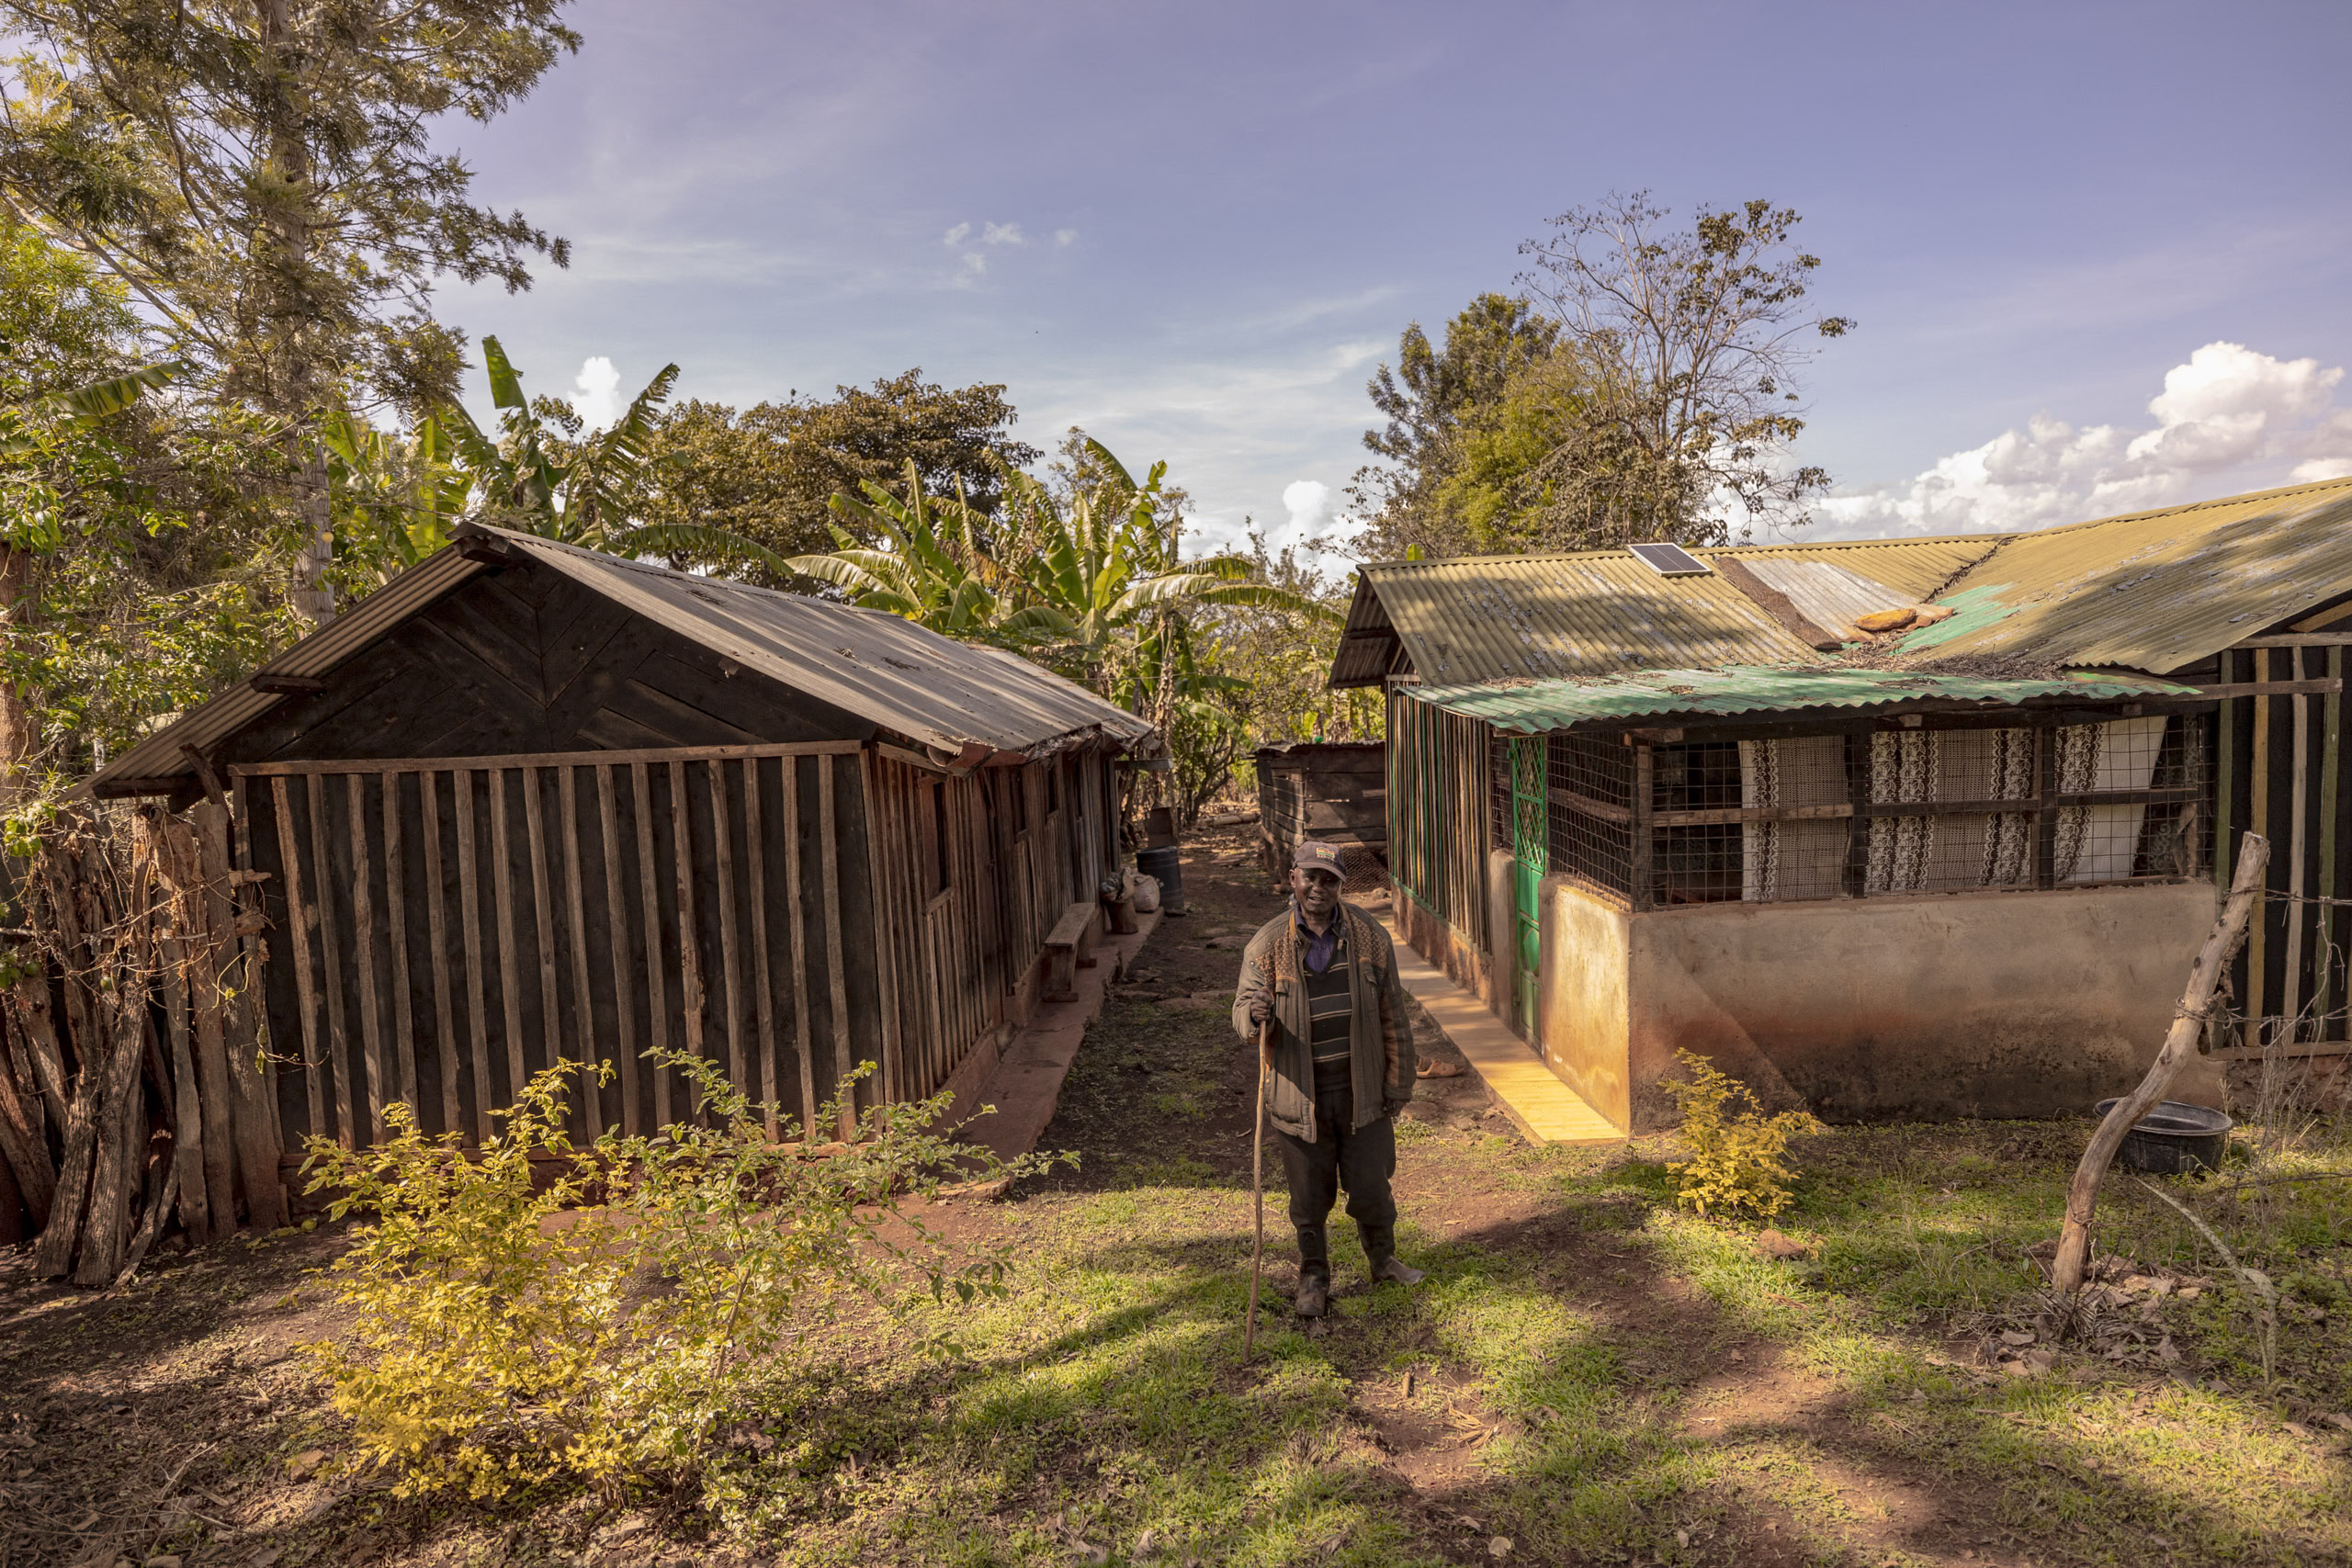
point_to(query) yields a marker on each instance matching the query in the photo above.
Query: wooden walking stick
(1257, 1187)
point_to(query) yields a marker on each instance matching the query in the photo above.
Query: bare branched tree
(1690, 343)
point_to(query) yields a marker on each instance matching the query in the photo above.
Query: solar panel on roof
(1670, 560)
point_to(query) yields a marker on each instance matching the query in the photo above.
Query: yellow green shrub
(1737, 1156)
(607, 1315)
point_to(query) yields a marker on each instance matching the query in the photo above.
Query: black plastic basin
(2173, 1138)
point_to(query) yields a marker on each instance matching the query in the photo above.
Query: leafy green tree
(129, 525)
(1427, 398)
(1645, 387)
(395, 498)
(769, 473)
(548, 474)
(261, 176)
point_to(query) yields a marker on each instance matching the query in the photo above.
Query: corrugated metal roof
(959, 698)
(950, 695)
(159, 756)
(1549, 617)
(2152, 589)
(1825, 592)
(1536, 707)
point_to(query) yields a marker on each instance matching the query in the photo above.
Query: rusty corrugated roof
(2150, 589)
(957, 698)
(1598, 613)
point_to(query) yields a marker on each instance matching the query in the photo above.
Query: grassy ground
(1590, 1375)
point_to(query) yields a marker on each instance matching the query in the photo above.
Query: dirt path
(1568, 1383)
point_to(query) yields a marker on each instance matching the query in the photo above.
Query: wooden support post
(730, 956)
(657, 1008)
(470, 923)
(2297, 841)
(584, 1012)
(436, 933)
(338, 1034)
(206, 854)
(363, 953)
(2324, 998)
(302, 916)
(829, 849)
(260, 1134)
(509, 981)
(762, 988)
(2257, 951)
(403, 1084)
(693, 997)
(542, 920)
(2045, 816)
(796, 906)
(1642, 850)
(2180, 1043)
(2225, 763)
(616, 928)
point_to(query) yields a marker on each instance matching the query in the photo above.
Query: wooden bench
(1069, 947)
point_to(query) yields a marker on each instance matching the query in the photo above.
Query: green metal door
(1530, 817)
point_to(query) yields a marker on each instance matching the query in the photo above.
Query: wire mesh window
(1887, 812)
(1594, 841)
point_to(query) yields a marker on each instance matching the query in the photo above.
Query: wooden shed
(532, 803)
(1333, 790)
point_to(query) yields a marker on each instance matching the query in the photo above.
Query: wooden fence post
(2181, 1042)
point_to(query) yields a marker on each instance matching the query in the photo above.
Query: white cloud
(957, 235)
(1065, 236)
(1308, 501)
(1002, 234)
(974, 262)
(2229, 418)
(596, 391)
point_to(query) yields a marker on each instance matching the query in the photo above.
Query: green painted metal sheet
(1534, 707)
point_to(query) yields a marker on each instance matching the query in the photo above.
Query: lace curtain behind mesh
(1904, 768)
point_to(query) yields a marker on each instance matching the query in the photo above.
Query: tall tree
(129, 524)
(769, 473)
(1427, 398)
(260, 174)
(1694, 341)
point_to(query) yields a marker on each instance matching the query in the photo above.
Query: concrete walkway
(1027, 1083)
(1545, 1109)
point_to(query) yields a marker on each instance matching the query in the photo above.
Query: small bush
(1736, 1160)
(507, 1335)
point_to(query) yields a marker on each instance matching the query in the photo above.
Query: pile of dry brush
(132, 1088)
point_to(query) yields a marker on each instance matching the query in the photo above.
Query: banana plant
(394, 501)
(540, 476)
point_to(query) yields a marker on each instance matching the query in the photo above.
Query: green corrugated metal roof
(1532, 707)
(2153, 590)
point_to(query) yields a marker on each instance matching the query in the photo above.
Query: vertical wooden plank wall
(1022, 845)
(455, 926)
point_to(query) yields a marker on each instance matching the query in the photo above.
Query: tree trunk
(295, 378)
(18, 735)
(2181, 1042)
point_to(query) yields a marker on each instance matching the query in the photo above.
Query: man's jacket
(1379, 1039)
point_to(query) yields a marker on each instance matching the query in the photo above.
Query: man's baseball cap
(1316, 855)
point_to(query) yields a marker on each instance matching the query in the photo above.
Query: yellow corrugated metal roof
(1601, 613)
(2155, 591)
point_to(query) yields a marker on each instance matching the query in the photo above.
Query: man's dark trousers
(1362, 1161)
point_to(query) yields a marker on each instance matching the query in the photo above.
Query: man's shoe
(1401, 1272)
(1313, 1295)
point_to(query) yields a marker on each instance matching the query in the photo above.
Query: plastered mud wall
(1996, 1005)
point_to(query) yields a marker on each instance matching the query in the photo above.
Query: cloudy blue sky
(2098, 252)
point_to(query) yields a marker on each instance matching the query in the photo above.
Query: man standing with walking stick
(1340, 1065)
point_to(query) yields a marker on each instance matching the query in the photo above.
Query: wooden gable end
(523, 661)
